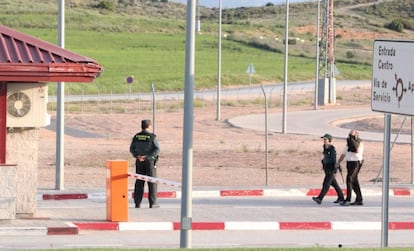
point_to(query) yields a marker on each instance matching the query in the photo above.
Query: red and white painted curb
(240, 192)
(243, 225)
(75, 227)
(69, 229)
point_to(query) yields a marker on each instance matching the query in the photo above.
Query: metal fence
(173, 101)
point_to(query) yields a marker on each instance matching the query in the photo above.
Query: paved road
(211, 239)
(316, 122)
(246, 221)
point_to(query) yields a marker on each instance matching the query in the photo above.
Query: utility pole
(327, 55)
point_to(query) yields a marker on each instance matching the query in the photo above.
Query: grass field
(160, 59)
(145, 42)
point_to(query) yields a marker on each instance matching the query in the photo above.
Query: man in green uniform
(144, 147)
(329, 167)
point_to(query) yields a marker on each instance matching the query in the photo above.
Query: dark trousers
(330, 180)
(352, 182)
(146, 168)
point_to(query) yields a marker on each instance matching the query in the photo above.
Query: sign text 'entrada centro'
(392, 89)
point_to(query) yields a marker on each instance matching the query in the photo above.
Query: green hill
(146, 39)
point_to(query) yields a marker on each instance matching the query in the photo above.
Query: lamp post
(187, 162)
(60, 110)
(286, 68)
(219, 65)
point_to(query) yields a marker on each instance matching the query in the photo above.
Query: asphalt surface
(71, 211)
(316, 122)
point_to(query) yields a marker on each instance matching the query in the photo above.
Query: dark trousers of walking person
(330, 180)
(145, 168)
(352, 182)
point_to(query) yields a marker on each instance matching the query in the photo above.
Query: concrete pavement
(69, 212)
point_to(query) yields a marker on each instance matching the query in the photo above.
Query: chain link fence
(135, 103)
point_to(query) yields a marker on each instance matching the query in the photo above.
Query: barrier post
(117, 190)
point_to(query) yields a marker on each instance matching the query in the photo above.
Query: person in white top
(353, 154)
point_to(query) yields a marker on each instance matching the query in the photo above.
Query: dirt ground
(222, 155)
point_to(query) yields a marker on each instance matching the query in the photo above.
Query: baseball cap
(327, 136)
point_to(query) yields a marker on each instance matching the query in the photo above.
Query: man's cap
(145, 123)
(327, 136)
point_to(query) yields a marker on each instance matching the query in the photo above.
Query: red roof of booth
(24, 58)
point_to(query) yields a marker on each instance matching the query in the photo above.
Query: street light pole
(286, 68)
(219, 64)
(187, 162)
(60, 110)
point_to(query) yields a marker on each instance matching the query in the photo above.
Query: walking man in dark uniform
(329, 167)
(144, 147)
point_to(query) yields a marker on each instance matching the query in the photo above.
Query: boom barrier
(154, 180)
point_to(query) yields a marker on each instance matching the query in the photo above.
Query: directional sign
(393, 77)
(250, 69)
(130, 79)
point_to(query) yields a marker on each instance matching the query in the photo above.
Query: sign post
(130, 80)
(250, 70)
(392, 92)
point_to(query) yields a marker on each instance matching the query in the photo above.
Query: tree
(395, 25)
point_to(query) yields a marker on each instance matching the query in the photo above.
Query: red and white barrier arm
(154, 180)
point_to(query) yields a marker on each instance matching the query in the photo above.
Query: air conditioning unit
(27, 105)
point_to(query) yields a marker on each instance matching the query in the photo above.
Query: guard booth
(27, 64)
